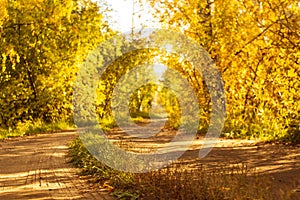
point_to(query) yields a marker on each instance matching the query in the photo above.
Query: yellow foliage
(256, 45)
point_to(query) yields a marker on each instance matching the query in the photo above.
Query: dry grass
(181, 181)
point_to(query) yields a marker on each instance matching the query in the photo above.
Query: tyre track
(36, 167)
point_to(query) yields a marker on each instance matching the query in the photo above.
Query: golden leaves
(255, 44)
(3, 12)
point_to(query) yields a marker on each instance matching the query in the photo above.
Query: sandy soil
(36, 167)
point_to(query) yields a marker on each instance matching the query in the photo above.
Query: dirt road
(36, 167)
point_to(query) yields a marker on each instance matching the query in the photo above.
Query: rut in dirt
(37, 167)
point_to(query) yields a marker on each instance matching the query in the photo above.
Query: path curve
(36, 167)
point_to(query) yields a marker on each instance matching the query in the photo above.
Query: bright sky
(121, 19)
(122, 12)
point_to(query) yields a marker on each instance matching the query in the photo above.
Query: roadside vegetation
(30, 128)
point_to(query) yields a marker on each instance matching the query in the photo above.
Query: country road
(36, 167)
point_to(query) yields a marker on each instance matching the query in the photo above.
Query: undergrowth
(31, 128)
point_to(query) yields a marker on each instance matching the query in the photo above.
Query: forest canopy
(255, 44)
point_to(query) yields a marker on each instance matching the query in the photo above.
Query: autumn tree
(42, 44)
(255, 45)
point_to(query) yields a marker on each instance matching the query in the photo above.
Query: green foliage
(170, 103)
(141, 100)
(41, 44)
(29, 128)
